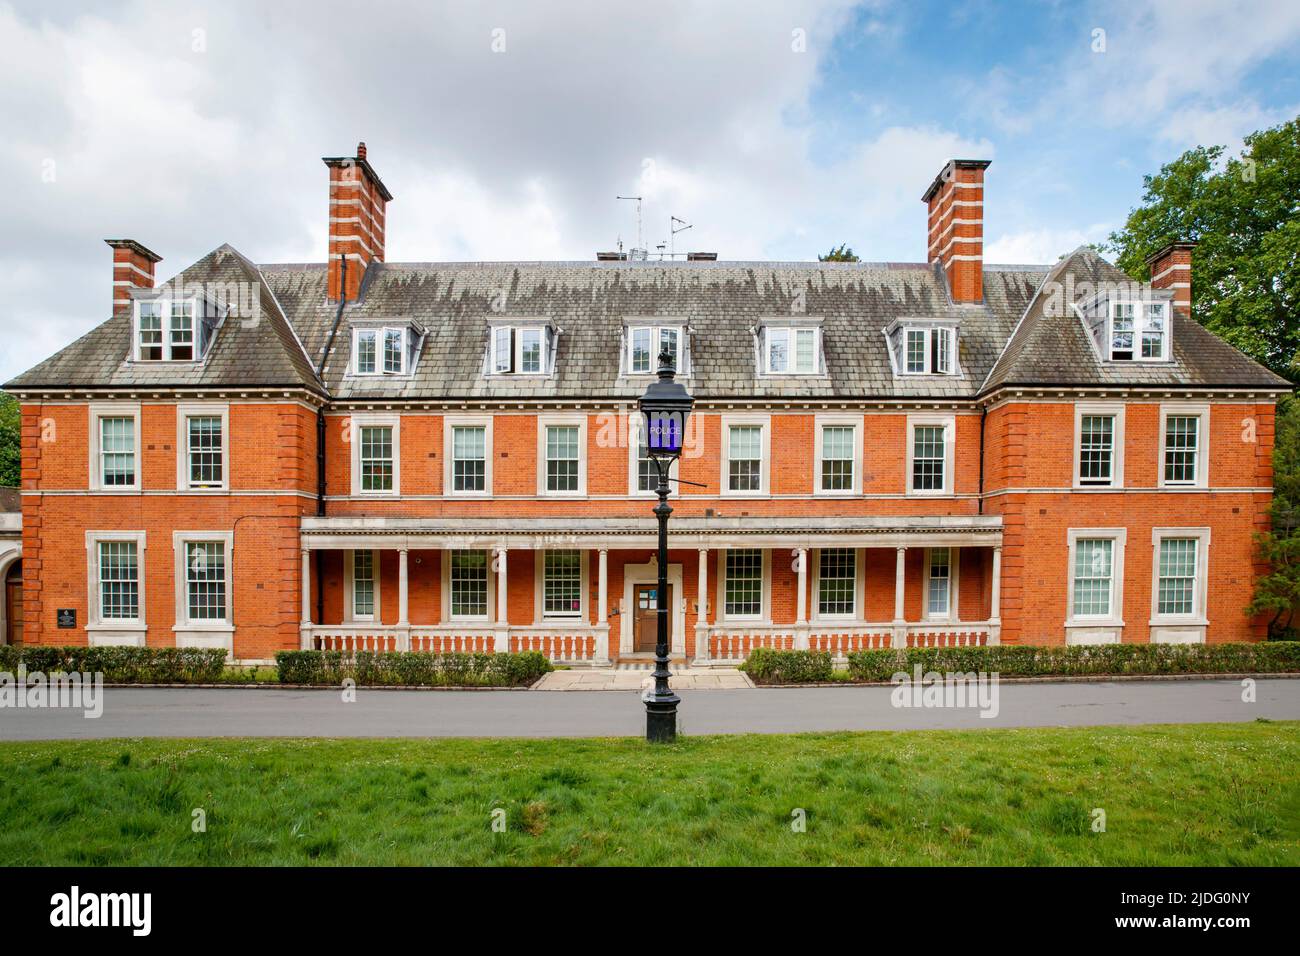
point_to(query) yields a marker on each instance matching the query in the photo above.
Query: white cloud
(1041, 246)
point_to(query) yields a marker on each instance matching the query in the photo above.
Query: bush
(769, 666)
(1101, 659)
(121, 665)
(411, 668)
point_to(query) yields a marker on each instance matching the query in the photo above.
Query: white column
(899, 572)
(801, 602)
(502, 613)
(702, 609)
(602, 588)
(306, 587)
(995, 602)
(403, 617)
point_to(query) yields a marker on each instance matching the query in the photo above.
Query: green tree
(842, 254)
(1244, 214)
(10, 441)
(1278, 592)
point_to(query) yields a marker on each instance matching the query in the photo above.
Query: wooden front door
(644, 624)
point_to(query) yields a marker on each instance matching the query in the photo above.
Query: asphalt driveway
(144, 712)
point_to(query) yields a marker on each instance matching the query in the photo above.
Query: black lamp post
(666, 406)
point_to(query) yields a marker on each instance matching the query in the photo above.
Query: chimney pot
(955, 236)
(361, 150)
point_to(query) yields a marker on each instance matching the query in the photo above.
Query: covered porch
(583, 591)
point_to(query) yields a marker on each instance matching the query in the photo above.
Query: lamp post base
(661, 719)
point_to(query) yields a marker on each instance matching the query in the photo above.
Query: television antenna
(638, 252)
(676, 225)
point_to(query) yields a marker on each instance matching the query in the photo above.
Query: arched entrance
(11, 602)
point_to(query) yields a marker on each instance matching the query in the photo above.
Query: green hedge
(768, 666)
(411, 668)
(121, 665)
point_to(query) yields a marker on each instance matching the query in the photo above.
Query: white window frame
(1199, 411)
(954, 579)
(949, 425)
(1201, 587)
(449, 423)
(635, 426)
(94, 622)
(517, 349)
(927, 333)
(765, 615)
(656, 333)
(196, 329)
(1115, 618)
(369, 420)
(350, 616)
(765, 466)
(791, 335)
(123, 410)
(487, 618)
(544, 422)
(1140, 326)
(539, 587)
(201, 410)
(1115, 409)
(180, 541)
(859, 586)
(837, 421)
(381, 335)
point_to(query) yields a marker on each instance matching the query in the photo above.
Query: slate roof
(721, 302)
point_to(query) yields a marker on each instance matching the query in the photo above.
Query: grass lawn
(1208, 794)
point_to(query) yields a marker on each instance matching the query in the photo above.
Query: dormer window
(791, 350)
(1138, 331)
(924, 349)
(520, 349)
(645, 342)
(171, 330)
(381, 350)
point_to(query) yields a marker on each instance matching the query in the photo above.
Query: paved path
(635, 678)
(144, 712)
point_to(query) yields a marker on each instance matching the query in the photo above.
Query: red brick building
(443, 456)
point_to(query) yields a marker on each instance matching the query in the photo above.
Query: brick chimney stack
(1171, 268)
(358, 200)
(955, 238)
(132, 269)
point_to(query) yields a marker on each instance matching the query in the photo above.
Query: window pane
(745, 458)
(363, 583)
(393, 351)
(530, 350)
(151, 339)
(1177, 576)
(562, 458)
(1092, 575)
(562, 583)
(938, 592)
(668, 340)
(204, 437)
(502, 350)
(205, 580)
(366, 352)
(805, 359)
(119, 582)
(641, 350)
(941, 346)
(182, 331)
(778, 350)
(915, 359)
(837, 457)
(928, 458)
(469, 458)
(117, 451)
(744, 582)
(1122, 330)
(469, 570)
(377, 458)
(1153, 334)
(1096, 449)
(837, 578)
(1181, 437)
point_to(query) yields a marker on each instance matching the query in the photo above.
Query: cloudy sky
(505, 129)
